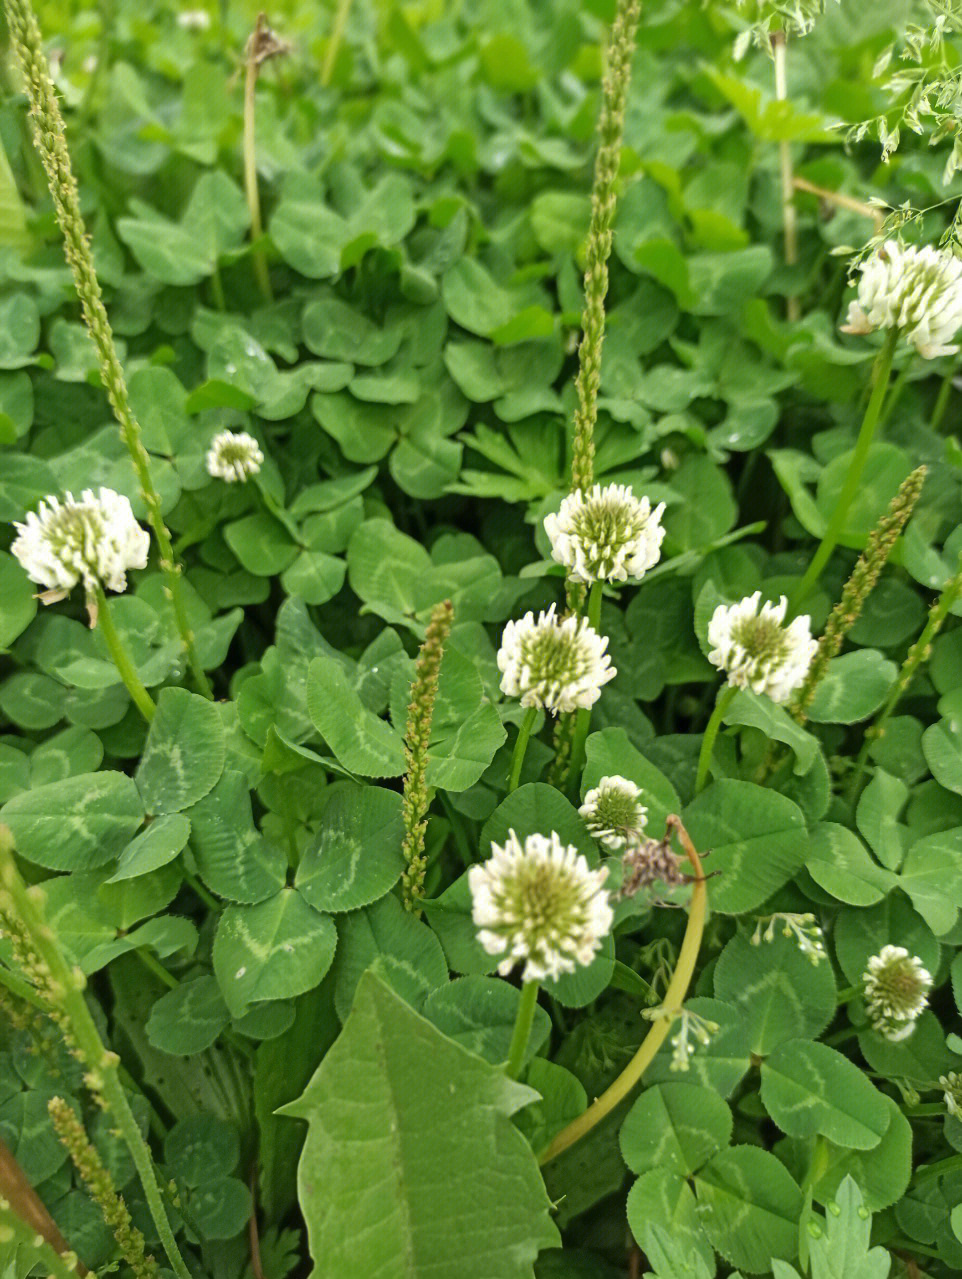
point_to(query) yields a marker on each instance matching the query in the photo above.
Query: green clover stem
(251, 189)
(121, 658)
(711, 732)
(522, 1028)
(836, 523)
(674, 998)
(583, 716)
(520, 747)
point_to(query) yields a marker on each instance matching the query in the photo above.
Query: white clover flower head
(756, 649)
(194, 20)
(554, 664)
(803, 928)
(896, 989)
(233, 456)
(613, 813)
(917, 291)
(606, 535)
(951, 1085)
(93, 541)
(539, 903)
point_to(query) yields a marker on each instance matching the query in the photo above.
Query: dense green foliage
(301, 1051)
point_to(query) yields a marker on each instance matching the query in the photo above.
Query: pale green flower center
(762, 638)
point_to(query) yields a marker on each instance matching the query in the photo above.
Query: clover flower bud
(951, 1085)
(756, 649)
(539, 903)
(193, 20)
(93, 541)
(233, 456)
(896, 991)
(613, 813)
(917, 291)
(553, 664)
(691, 1026)
(606, 535)
(804, 929)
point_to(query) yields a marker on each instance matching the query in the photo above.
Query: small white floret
(606, 535)
(234, 456)
(916, 291)
(539, 904)
(757, 650)
(93, 542)
(556, 665)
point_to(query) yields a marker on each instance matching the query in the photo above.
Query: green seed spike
(37, 951)
(50, 141)
(96, 1177)
(859, 586)
(611, 125)
(417, 738)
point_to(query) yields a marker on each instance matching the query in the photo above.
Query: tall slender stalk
(789, 212)
(521, 747)
(61, 987)
(262, 45)
(611, 126)
(49, 139)
(919, 653)
(335, 40)
(674, 998)
(604, 198)
(417, 739)
(836, 523)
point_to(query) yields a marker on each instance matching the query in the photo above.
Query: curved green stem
(121, 658)
(520, 747)
(942, 400)
(836, 523)
(711, 732)
(897, 391)
(522, 1028)
(583, 716)
(674, 998)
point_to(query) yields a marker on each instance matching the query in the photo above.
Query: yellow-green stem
(252, 191)
(336, 38)
(836, 523)
(522, 1028)
(789, 212)
(520, 747)
(121, 658)
(722, 704)
(674, 998)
